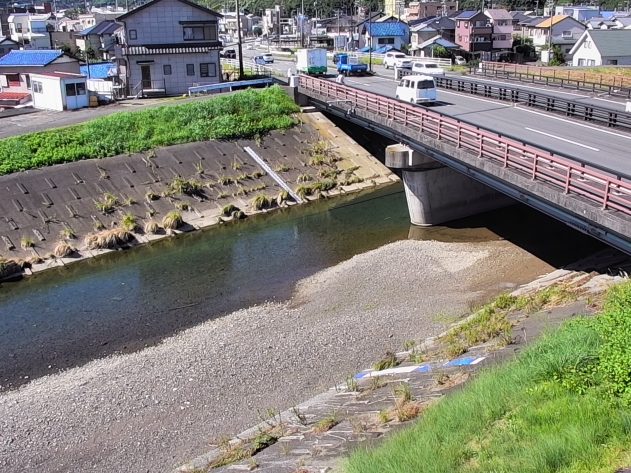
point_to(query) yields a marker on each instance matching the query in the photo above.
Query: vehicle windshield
(425, 84)
(399, 55)
(431, 66)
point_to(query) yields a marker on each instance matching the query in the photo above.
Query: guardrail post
(566, 190)
(534, 167)
(606, 196)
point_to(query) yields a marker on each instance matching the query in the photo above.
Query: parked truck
(311, 61)
(349, 65)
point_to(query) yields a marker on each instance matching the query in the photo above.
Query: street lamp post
(239, 45)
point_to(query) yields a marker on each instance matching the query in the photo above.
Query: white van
(417, 89)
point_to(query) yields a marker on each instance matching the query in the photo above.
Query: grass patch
(261, 202)
(129, 222)
(561, 406)
(108, 239)
(246, 114)
(63, 250)
(26, 242)
(107, 203)
(189, 187)
(326, 424)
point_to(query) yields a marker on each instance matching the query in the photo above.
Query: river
(124, 301)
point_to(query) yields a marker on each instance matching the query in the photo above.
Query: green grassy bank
(562, 406)
(244, 114)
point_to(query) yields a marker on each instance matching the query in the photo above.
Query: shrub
(152, 227)
(229, 209)
(129, 222)
(261, 202)
(63, 250)
(108, 239)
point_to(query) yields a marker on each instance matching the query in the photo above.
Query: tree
(71, 14)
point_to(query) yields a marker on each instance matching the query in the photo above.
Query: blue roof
(388, 28)
(465, 15)
(30, 57)
(98, 71)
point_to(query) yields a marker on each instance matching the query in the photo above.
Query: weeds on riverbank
(246, 114)
(563, 405)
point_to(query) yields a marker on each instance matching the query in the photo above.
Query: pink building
(502, 23)
(474, 32)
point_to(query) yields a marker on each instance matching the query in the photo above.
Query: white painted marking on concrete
(273, 174)
(401, 369)
(478, 360)
(562, 139)
(610, 101)
(575, 123)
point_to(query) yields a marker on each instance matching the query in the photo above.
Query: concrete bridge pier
(438, 194)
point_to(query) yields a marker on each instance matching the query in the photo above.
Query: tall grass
(559, 407)
(245, 114)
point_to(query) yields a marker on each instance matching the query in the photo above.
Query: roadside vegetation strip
(563, 405)
(242, 115)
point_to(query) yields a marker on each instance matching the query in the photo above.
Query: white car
(396, 59)
(428, 68)
(459, 61)
(268, 58)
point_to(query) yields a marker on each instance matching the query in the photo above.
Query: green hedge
(240, 115)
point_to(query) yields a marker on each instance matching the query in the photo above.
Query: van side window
(406, 83)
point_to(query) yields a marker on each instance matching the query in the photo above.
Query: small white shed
(59, 91)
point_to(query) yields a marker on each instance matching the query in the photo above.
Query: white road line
(610, 101)
(562, 139)
(574, 122)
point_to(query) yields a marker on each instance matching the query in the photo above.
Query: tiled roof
(105, 27)
(13, 95)
(30, 57)
(389, 28)
(98, 71)
(60, 75)
(142, 50)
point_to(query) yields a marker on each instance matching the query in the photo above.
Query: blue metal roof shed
(387, 28)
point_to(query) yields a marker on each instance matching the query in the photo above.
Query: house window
(612, 62)
(14, 80)
(567, 34)
(190, 69)
(207, 69)
(71, 91)
(581, 62)
(18, 27)
(133, 34)
(166, 69)
(80, 88)
(200, 33)
(37, 87)
(385, 40)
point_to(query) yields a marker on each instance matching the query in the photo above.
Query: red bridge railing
(600, 186)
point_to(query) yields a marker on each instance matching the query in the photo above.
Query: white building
(59, 91)
(602, 48)
(167, 47)
(31, 31)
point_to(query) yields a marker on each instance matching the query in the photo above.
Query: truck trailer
(311, 61)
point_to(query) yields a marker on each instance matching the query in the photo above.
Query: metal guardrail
(601, 186)
(542, 77)
(549, 103)
(201, 89)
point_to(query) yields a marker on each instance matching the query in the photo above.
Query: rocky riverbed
(157, 408)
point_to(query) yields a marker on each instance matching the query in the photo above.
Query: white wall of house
(46, 95)
(179, 65)
(565, 33)
(160, 25)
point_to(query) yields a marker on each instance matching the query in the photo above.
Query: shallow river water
(124, 301)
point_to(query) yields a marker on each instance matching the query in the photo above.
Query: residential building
(474, 32)
(100, 38)
(443, 26)
(602, 48)
(168, 46)
(581, 13)
(502, 23)
(31, 31)
(562, 31)
(426, 9)
(392, 34)
(6, 45)
(59, 91)
(17, 66)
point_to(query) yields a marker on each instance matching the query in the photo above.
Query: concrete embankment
(49, 212)
(156, 409)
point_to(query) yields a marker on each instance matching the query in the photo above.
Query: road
(591, 144)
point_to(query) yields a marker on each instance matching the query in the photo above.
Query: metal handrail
(603, 187)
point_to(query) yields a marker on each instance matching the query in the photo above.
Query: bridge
(583, 180)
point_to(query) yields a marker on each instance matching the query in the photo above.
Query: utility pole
(302, 24)
(239, 45)
(369, 40)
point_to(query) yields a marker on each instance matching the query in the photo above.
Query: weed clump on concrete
(261, 202)
(388, 361)
(229, 209)
(68, 233)
(26, 242)
(63, 250)
(9, 267)
(282, 198)
(326, 424)
(152, 227)
(172, 220)
(304, 191)
(129, 222)
(107, 203)
(108, 239)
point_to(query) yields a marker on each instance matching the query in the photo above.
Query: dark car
(229, 54)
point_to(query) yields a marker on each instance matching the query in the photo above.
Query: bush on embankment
(562, 406)
(240, 115)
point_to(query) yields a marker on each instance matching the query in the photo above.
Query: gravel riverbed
(153, 410)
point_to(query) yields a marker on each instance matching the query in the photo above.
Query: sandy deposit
(155, 409)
